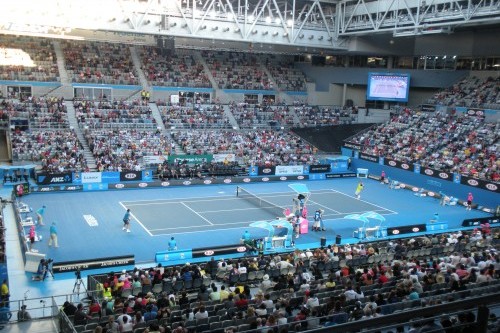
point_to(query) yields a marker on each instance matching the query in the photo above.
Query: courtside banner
(320, 168)
(285, 170)
(407, 229)
(224, 158)
(266, 170)
(368, 157)
(154, 159)
(352, 145)
(399, 165)
(218, 250)
(54, 178)
(91, 177)
(71, 266)
(481, 220)
(128, 176)
(479, 183)
(436, 173)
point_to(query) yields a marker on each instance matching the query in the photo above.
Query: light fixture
(147, 22)
(173, 24)
(226, 29)
(203, 27)
(215, 28)
(301, 36)
(289, 23)
(237, 30)
(285, 34)
(320, 38)
(275, 34)
(254, 31)
(265, 33)
(311, 37)
(230, 16)
(268, 19)
(251, 18)
(277, 20)
(330, 39)
(184, 25)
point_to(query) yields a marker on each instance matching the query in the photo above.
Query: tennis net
(259, 202)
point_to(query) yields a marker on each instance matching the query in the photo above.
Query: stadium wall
(483, 197)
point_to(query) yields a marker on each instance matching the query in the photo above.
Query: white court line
(149, 200)
(350, 196)
(140, 223)
(196, 213)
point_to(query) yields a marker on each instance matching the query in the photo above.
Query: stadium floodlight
(277, 20)
(268, 20)
(251, 18)
(289, 23)
(230, 16)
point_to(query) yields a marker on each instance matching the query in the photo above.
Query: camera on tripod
(78, 274)
(48, 262)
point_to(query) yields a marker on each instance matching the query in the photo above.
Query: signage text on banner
(190, 159)
(54, 178)
(320, 168)
(285, 170)
(127, 176)
(224, 158)
(91, 177)
(266, 171)
(154, 159)
(368, 157)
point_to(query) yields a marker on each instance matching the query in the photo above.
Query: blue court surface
(90, 223)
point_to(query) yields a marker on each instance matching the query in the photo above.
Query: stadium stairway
(281, 96)
(63, 75)
(157, 116)
(220, 95)
(230, 116)
(138, 69)
(73, 123)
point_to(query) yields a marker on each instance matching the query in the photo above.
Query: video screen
(388, 87)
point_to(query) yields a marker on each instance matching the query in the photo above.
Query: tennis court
(90, 223)
(233, 212)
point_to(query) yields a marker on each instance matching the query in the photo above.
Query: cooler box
(304, 226)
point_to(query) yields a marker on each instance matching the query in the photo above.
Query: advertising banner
(399, 165)
(407, 229)
(352, 145)
(91, 177)
(154, 159)
(218, 250)
(128, 176)
(285, 170)
(436, 173)
(320, 168)
(368, 157)
(479, 183)
(224, 157)
(428, 108)
(71, 266)
(54, 178)
(481, 220)
(266, 171)
(340, 175)
(190, 159)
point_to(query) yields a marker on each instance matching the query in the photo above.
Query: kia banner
(398, 164)
(127, 176)
(436, 173)
(479, 183)
(266, 170)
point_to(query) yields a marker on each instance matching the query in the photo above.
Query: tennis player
(126, 221)
(359, 189)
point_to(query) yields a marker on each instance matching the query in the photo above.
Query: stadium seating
(96, 62)
(309, 289)
(37, 56)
